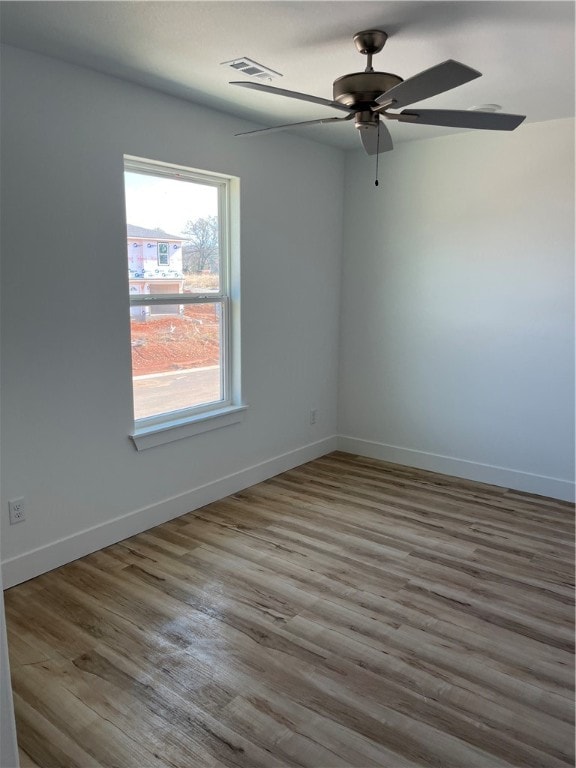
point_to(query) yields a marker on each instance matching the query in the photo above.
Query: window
(182, 237)
(163, 255)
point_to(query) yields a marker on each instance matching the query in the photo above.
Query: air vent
(251, 68)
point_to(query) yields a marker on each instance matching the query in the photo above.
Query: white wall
(8, 744)
(457, 346)
(8, 741)
(66, 388)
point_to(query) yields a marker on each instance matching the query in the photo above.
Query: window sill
(168, 431)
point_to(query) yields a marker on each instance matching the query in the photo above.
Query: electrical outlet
(313, 416)
(17, 511)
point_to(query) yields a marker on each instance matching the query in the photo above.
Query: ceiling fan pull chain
(377, 152)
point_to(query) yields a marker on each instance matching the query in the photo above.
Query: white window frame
(186, 422)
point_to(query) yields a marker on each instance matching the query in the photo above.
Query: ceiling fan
(368, 96)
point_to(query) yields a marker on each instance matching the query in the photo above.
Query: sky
(164, 203)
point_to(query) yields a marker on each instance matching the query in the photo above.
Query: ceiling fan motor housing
(361, 89)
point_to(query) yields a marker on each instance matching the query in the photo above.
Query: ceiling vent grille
(251, 68)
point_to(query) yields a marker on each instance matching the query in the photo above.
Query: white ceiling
(525, 51)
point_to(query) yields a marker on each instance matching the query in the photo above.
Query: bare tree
(200, 251)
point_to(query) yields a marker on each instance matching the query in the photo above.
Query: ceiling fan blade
(286, 126)
(428, 83)
(292, 95)
(455, 118)
(374, 144)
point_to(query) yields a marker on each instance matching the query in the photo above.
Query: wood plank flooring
(345, 613)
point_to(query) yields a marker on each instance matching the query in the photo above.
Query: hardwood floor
(346, 613)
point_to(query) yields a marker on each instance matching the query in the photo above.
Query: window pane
(176, 357)
(173, 233)
(177, 248)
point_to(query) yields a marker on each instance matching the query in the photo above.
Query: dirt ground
(176, 342)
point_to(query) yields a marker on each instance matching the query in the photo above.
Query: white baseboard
(30, 564)
(470, 470)
(37, 561)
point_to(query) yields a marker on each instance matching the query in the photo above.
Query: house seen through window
(177, 223)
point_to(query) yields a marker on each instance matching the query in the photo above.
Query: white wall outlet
(313, 416)
(17, 511)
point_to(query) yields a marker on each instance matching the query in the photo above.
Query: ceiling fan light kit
(368, 96)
